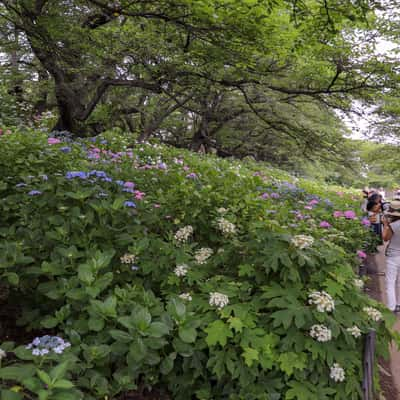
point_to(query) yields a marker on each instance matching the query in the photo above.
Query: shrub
(207, 278)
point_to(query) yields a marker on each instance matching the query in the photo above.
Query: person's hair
(371, 204)
(375, 197)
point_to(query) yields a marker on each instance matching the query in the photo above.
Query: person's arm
(387, 230)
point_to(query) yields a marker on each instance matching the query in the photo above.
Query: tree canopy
(240, 76)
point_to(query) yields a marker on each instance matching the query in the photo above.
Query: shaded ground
(388, 371)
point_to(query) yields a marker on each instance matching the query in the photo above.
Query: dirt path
(389, 370)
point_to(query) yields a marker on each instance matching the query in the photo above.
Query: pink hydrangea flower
(361, 254)
(338, 214)
(308, 207)
(366, 222)
(325, 224)
(139, 195)
(53, 140)
(313, 202)
(350, 214)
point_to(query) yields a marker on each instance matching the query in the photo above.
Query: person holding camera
(391, 233)
(375, 216)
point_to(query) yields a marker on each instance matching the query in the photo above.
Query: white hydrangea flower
(181, 270)
(222, 210)
(202, 255)
(337, 373)
(359, 283)
(128, 259)
(322, 300)
(183, 234)
(373, 313)
(321, 333)
(186, 296)
(218, 300)
(355, 331)
(302, 241)
(226, 227)
(3, 354)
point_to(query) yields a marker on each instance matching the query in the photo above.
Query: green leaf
(11, 395)
(63, 384)
(12, 278)
(288, 362)
(250, 355)
(17, 372)
(167, 365)
(300, 391)
(67, 395)
(177, 309)
(187, 334)
(59, 371)
(49, 322)
(44, 377)
(121, 336)
(96, 324)
(236, 324)
(137, 350)
(157, 329)
(141, 318)
(85, 274)
(218, 332)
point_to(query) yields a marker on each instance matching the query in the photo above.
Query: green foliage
(140, 300)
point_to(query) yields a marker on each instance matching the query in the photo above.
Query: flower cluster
(183, 234)
(373, 313)
(202, 255)
(226, 227)
(181, 270)
(128, 259)
(185, 296)
(359, 283)
(321, 333)
(361, 254)
(355, 331)
(337, 373)
(3, 354)
(325, 224)
(322, 300)
(43, 345)
(302, 241)
(218, 300)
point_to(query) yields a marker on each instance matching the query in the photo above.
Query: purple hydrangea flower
(192, 175)
(65, 149)
(275, 196)
(325, 224)
(350, 214)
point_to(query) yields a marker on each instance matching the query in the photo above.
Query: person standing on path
(391, 233)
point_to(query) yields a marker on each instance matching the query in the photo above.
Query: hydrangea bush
(152, 267)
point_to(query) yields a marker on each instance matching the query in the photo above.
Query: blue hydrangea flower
(34, 193)
(65, 149)
(76, 174)
(120, 183)
(130, 204)
(22, 184)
